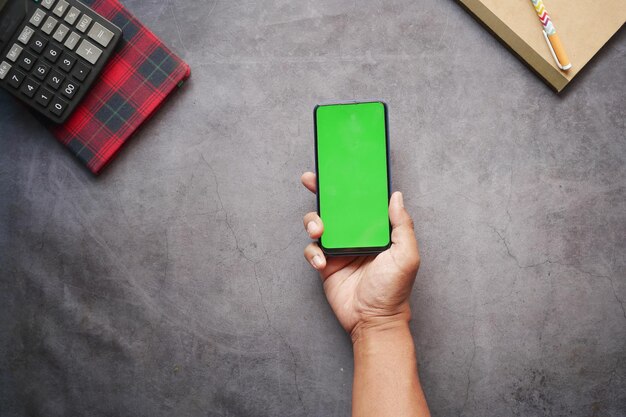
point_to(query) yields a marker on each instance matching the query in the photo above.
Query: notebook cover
(135, 82)
(584, 27)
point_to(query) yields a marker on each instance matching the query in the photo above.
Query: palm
(363, 287)
(359, 287)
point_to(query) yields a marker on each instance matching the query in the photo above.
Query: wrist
(386, 341)
(382, 328)
(385, 368)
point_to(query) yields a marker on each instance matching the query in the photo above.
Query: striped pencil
(549, 33)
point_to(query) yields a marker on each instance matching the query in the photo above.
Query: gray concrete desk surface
(174, 284)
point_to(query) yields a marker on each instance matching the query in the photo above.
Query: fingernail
(316, 261)
(400, 199)
(311, 227)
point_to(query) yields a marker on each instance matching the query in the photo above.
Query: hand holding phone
(373, 290)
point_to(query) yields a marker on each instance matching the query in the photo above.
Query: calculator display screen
(12, 13)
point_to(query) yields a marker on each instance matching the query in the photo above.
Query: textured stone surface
(174, 283)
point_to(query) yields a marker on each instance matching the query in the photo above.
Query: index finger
(309, 180)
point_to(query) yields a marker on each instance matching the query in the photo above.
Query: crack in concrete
(254, 263)
(548, 260)
(180, 37)
(613, 372)
(469, 368)
(551, 262)
(239, 248)
(232, 229)
(228, 224)
(282, 338)
(217, 185)
(510, 253)
(476, 203)
(508, 202)
(619, 300)
(546, 313)
(607, 277)
(167, 264)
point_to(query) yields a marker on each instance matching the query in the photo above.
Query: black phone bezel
(354, 251)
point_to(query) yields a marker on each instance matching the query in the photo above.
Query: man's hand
(367, 291)
(370, 297)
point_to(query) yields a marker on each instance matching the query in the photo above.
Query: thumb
(403, 243)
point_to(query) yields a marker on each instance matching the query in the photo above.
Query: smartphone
(353, 180)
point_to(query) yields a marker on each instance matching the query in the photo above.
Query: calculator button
(58, 106)
(72, 40)
(60, 8)
(89, 51)
(52, 53)
(4, 69)
(67, 62)
(27, 61)
(84, 23)
(55, 79)
(49, 26)
(41, 70)
(61, 33)
(43, 97)
(37, 43)
(24, 37)
(30, 87)
(80, 71)
(15, 52)
(69, 89)
(72, 15)
(16, 78)
(37, 18)
(47, 3)
(100, 34)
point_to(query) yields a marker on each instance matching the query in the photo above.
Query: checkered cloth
(135, 82)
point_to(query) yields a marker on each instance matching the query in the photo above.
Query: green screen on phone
(353, 183)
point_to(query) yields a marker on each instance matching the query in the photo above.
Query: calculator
(51, 52)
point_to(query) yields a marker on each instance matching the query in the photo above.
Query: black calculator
(51, 51)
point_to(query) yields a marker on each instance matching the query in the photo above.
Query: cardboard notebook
(135, 82)
(583, 27)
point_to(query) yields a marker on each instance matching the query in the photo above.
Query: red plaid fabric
(135, 82)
